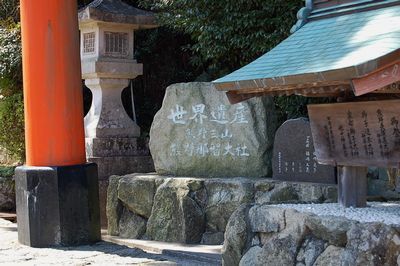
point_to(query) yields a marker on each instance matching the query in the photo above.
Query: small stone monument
(107, 53)
(198, 133)
(294, 155)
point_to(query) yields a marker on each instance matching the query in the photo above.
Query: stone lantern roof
(116, 11)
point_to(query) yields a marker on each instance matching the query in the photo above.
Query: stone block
(312, 237)
(104, 147)
(171, 202)
(57, 206)
(137, 194)
(329, 228)
(209, 238)
(122, 165)
(114, 207)
(224, 196)
(237, 236)
(131, 225)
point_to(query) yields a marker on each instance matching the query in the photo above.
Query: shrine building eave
(116, 11)
(324, 57)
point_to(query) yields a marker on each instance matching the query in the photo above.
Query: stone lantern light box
(107, 51)
(107, 54)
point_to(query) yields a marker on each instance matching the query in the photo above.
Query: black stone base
(57, 206)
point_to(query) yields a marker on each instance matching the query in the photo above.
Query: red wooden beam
(377, 80)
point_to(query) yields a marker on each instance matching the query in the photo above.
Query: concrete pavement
(111, 251)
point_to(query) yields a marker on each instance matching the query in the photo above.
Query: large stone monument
(210, 157)
(108, 65)
(198, 133)
(294, 155)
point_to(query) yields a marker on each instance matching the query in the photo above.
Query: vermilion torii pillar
(57, 191)
(52, 83)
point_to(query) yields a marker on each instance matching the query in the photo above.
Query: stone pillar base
(57, 206)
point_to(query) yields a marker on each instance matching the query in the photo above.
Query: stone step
(12, 217)
(196, 254)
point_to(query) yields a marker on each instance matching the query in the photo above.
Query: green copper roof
(327, 44)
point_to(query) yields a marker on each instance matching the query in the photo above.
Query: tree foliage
(9, 10)
(11, 97)
(207, 37)
(228, 34)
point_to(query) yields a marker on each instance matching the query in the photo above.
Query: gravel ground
(102, 253)
(384, 212)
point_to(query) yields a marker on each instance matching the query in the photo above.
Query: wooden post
(52, 83)
(352, 186)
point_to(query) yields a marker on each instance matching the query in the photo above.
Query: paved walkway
(111, 251)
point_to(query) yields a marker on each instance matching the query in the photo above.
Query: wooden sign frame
(357, 133)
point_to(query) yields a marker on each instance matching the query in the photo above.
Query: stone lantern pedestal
(107, 117)
(112, 138)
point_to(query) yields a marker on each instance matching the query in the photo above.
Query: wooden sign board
(357, 133)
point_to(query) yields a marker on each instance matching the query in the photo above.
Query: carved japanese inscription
(357, 134)
(198, 133)
(209, 132)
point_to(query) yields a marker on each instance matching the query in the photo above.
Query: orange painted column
(52, 83)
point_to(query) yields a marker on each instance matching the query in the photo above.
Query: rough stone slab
(114, 206)
(279, 251)
(131, 225)
(103, 187)
(137, 194)
(175, 216)
(383, 240)
(198, 133)
(212, 238)
(312, 238)
(310, 251)
(212, 200)
(330, 228)
(237, 235)
(118, 165)
(224, 197)
(7, 194)
(264, 219)
(252, 257)
(267, 191)
(331, 256)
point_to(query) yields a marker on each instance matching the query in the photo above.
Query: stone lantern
(108, 65)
